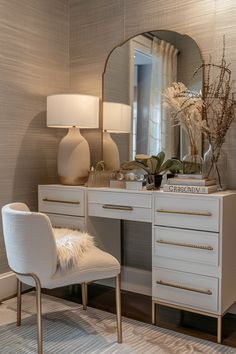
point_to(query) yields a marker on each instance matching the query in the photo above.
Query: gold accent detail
(60, 201)
(182, 244)
(84, 288)
(18, 307)
(154, 312)
(118, 309)
(186, 308)
(39, 307)
(190, 309)
(219, 329)
(117, 207)
(178, 286)
(185, 212)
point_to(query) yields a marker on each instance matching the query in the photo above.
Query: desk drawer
(189, 212)
(119, 212)
(186, 245)
(190, 290)
(61, 200)
(120, 205)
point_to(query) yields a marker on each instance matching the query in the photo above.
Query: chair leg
(18, 307)
(84, 288)
(118, 310)
(39, 314)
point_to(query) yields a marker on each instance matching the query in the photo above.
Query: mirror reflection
(136, 74)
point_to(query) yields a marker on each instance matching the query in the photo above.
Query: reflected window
(154, 69)
(141, 94)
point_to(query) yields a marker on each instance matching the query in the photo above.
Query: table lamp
(73, 111)
(116, 119)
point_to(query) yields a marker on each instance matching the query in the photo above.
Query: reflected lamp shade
(73, 111)
(116, 119)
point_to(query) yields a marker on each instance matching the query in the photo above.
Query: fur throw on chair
(71, 245)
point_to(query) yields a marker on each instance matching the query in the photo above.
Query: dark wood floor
(138, 307)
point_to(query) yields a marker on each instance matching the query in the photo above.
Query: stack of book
(184, 183)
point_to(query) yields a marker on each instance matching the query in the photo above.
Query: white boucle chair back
(29, 240)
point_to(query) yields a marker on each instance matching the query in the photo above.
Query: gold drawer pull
(60, 201)
(182, 244)
(185, 212)
(117, 207)
(206, 292)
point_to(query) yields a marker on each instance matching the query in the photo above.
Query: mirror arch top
(150, 31)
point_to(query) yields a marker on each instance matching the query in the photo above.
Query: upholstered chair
(32, 254)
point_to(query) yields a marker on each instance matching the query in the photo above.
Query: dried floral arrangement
(219, 108)
(187, 111)
(210, 112)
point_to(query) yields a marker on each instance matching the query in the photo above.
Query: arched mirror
(135, 76)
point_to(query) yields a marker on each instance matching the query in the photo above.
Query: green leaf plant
(153, 165)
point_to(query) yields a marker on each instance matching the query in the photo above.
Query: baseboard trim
(7, 285)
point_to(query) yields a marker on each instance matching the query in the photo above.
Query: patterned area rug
(69, 330)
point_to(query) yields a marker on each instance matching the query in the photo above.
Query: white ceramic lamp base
(111, 155)
(73, 161)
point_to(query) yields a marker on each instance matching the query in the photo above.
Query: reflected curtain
(164, 72)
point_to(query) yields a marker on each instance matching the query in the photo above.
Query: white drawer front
(68, 201)
(190, 290)
(118, 205)
(141, 199)
(192, 212)
(186, 245)
(70, 222)
(120, 212)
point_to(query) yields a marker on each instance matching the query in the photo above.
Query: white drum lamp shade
(116, 119)
(73, 111)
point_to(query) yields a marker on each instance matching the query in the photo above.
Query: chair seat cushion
(71, 246)
(94, 265)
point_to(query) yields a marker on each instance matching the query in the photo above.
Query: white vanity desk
(193, 239)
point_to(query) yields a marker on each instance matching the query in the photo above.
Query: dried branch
(211, 114)
(187, 106)
(219, 102)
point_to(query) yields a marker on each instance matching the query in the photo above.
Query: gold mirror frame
(124, 42)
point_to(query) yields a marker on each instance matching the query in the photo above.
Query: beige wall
(97, 26)
(34, 40)
(33, 64)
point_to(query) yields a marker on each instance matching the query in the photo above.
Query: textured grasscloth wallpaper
(97, 26)
(35, 50)
(33, 64)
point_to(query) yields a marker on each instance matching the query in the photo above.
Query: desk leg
(19, 289)
(84, 288)
(153, 313)
(219, 329)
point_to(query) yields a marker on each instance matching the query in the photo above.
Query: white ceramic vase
(73, 161)
(111, 155)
